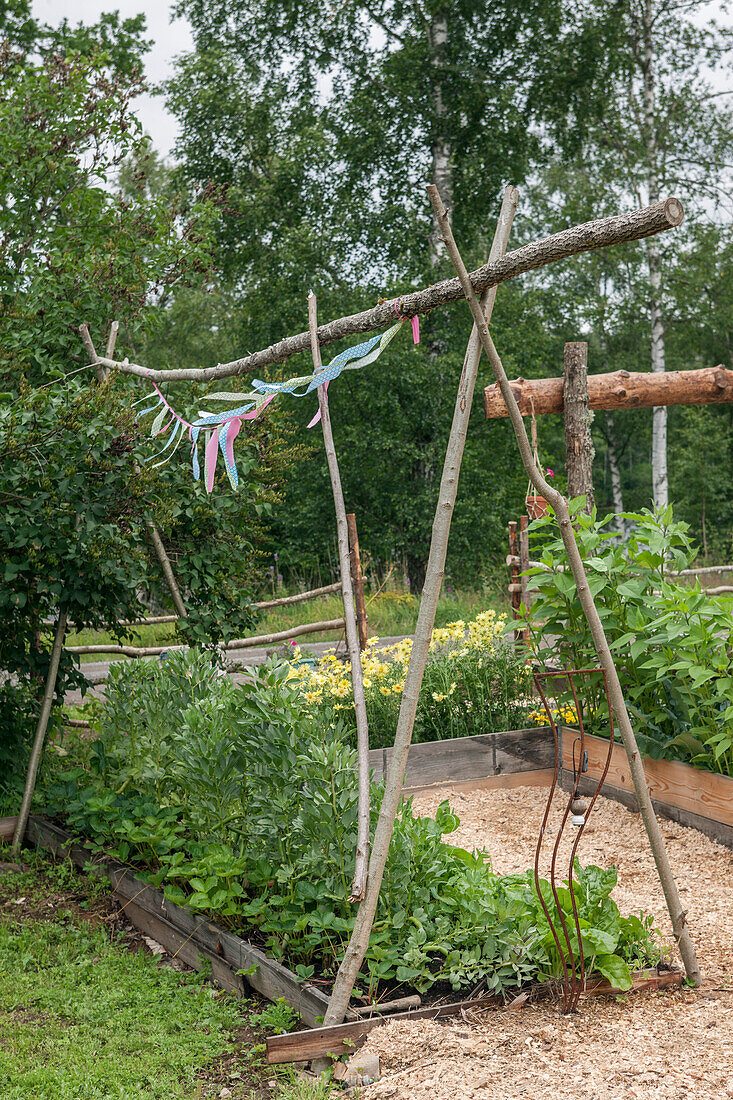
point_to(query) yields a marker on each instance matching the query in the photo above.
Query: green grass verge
(84, 1017)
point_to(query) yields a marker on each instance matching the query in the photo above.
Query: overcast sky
(170, 39)
(174, 37)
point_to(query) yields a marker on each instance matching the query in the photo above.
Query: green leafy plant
(237, 803)
(673, 643)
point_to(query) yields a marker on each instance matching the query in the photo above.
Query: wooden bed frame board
(186, 935)
(687, 795)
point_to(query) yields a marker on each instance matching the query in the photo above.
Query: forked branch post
(358, 886)
(359, 941)
(562, 512)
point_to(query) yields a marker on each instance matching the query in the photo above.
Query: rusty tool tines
(573, 961)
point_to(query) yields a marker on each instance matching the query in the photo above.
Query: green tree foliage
(75, 486)
(324, 129)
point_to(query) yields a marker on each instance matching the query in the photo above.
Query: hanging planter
(534, 502)
(536, 505)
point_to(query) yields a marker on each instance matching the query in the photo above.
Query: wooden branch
(359, 941)
(239, 643)
(102, 369)
(362, 622)
(299, 597)
(30, 781)
(165, 565)
(359, 883)
(619, 390)
(587, 603)
(603, 233)
(284, 601)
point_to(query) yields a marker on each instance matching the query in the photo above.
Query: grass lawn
(87, 1012)
(389, 614)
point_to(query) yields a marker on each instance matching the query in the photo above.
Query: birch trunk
(359, 885)
(677, 914)
(660, 482)
(440, 147)
(617, 494)
(359, 942)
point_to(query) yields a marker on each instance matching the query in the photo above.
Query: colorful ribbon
(224, 427)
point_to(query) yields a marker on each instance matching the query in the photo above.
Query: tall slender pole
(30, 781)
(358, 581)
(559, 503)
(359, 942)
(359, 884)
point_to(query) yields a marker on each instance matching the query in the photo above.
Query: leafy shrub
(474, 683)
(241, 805)
(671, 641)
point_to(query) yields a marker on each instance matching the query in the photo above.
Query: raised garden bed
(511, 759)
(237, 964)
(690, 796)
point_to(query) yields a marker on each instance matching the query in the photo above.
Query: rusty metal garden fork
(573, 966)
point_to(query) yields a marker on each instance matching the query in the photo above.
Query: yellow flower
(397, 688)
(385, 691)
(439, 697)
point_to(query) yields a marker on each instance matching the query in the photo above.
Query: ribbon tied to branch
(220, 429)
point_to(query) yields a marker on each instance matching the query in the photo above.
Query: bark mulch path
(675, 1045)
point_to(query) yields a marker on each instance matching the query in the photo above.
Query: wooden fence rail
(239, 643)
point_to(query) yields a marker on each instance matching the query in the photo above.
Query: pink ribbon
(414, 321)
(317, 417)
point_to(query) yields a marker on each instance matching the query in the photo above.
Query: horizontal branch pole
(299, 597)
(239, 643)
(621, 389)
(620, 229)
(262, 605)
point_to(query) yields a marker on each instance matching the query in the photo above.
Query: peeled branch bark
(359, 885)
(30, 782)
(359, 941)
(562, 512)
(620, 390)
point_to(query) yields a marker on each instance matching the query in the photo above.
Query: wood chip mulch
(671, 1045)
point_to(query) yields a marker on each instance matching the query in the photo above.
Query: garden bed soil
(669, 1045)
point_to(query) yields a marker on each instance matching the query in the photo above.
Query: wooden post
(578, 443)
(359, 884)
(359, 942)
(358, 581)
(30, 781)
(559, 503)
(515, 583)
(523, 567)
